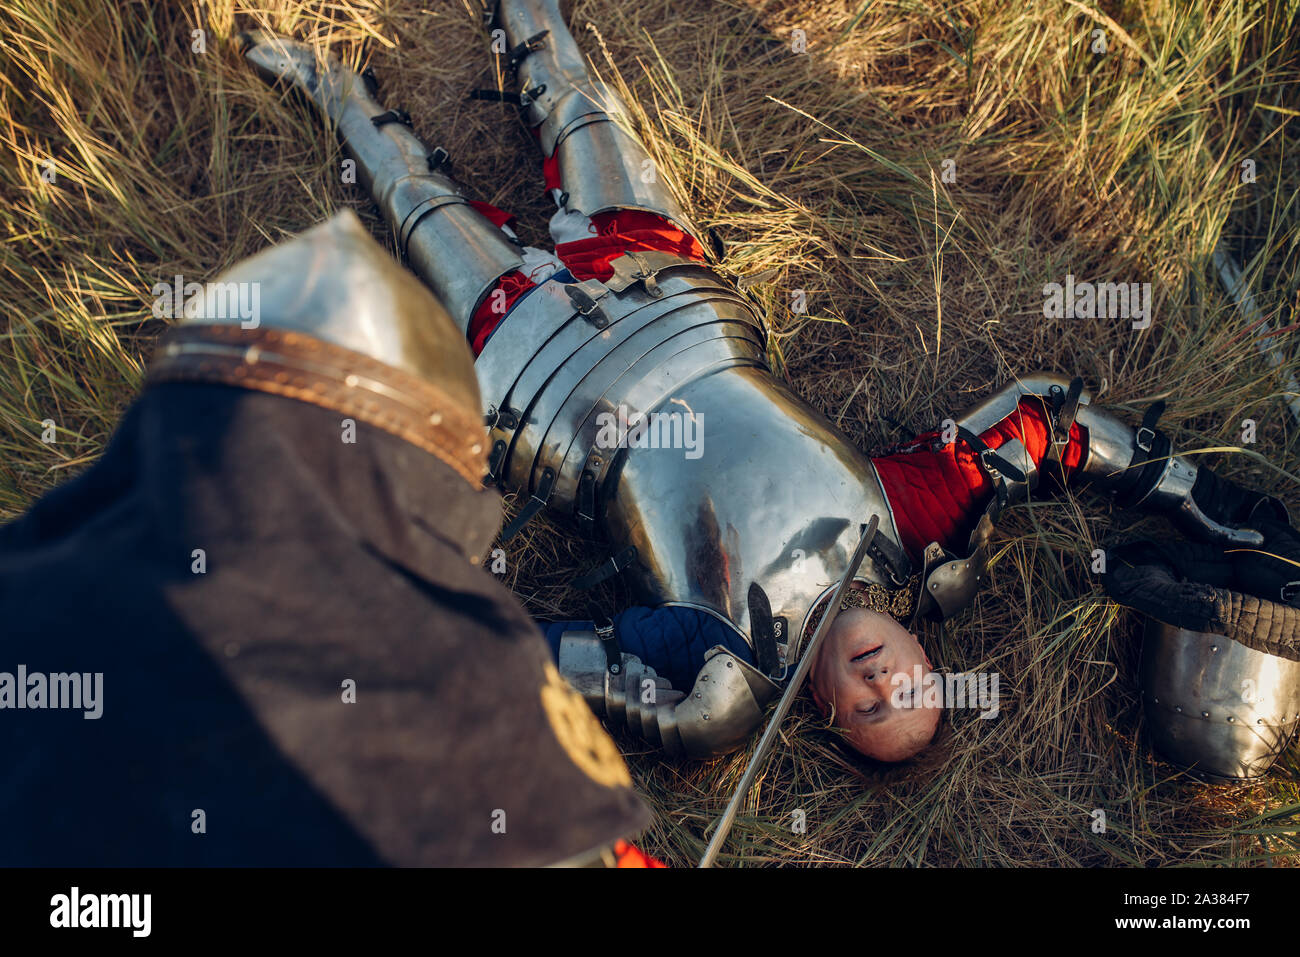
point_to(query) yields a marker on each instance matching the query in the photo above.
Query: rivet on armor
(351, 381)
(1214, 647)
(1179, 709)
(704, 677)
(697, 694)
(728, 664)
(706, 716)
(476, 448)
(1231, 719)
(435, 418)
(1205, 714)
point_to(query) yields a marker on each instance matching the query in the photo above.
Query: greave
(581, 120)
(454, 248)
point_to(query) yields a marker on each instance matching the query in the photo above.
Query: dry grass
(821, 172)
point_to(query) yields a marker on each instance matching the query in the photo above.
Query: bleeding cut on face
(865, 680)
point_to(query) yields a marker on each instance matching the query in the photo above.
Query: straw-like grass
(821, 171)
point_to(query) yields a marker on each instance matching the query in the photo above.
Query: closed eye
(867, 654)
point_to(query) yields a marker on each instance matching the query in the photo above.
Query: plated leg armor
(449, 244)
(581, 121)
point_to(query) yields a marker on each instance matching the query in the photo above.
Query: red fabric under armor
(620, 231)
(628, 855)
(937, 496)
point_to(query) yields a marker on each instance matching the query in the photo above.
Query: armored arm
(1136, 464)
(716, 716)
(1083, 443)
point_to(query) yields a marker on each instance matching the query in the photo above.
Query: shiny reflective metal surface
(556, 373)
(982, 416)
(449, 244)
(1111, 443)
(1110, 452)
(716, 716)
(336, 283)
(602, 165)
(771, 492)
(1215, 706)
(723, 708)
(777, 496)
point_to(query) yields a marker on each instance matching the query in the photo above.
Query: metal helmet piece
(1214, 705)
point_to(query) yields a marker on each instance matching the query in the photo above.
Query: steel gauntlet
(718, 715)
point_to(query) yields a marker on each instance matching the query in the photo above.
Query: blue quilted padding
(671, 640)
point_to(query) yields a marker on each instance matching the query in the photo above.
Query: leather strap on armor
(302, 367)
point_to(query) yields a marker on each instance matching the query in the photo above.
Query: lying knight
(733, 551)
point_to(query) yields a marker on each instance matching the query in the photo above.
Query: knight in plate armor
(625, 385)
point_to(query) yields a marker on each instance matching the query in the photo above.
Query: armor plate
(775, 494)
(448, 243)
(1214, 705)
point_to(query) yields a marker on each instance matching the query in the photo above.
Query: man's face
(863, 677)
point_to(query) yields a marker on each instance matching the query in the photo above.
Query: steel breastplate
(776, 494)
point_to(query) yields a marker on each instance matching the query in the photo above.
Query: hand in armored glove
(1220, 510)
(1273, 569)
(1252, 594)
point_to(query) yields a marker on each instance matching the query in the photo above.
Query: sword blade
(787, 699)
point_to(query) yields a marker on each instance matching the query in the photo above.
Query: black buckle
(531, 45)
(495, 457)
(438, 159)
(609, 641)
(506, 419)
(1146, 433)
(588, 306)
(1290, 592)
(890, 561)
(527, 96)
(987, 460)
(587, 502)
(534, 505)
(371, 81)
(606, 569)
(1065, 410)
(643, 272)
(392, 116)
